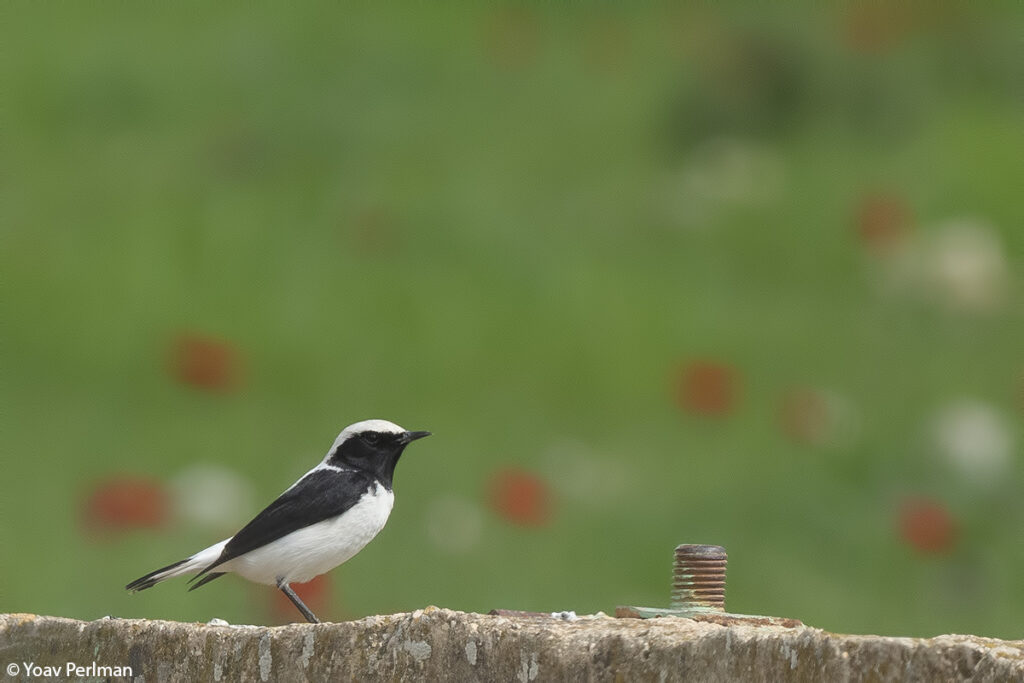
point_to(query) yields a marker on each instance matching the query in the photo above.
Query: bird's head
(373, 446)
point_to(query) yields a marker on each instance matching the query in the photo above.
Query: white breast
(318, 548)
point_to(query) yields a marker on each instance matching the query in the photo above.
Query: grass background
(476, 221)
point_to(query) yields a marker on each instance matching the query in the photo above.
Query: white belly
(316, 549)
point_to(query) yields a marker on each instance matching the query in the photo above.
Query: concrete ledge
(439, 644)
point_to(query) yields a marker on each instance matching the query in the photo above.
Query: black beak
(408, 437)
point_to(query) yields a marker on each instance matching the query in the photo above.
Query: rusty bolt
(698, 591)
(698, 577)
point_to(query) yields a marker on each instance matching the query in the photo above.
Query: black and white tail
(190, 565)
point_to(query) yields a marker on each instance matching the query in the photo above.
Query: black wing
(319, 495)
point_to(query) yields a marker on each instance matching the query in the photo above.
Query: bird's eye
(372, 438)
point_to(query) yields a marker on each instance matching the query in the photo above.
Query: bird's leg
(306, 612)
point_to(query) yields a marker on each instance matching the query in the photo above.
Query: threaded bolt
(698, 577)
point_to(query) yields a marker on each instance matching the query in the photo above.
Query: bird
(319, 522)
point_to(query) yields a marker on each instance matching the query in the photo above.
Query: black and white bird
(321, 521)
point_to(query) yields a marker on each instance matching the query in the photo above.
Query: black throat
(376, 458)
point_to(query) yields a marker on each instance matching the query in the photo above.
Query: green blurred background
(652, 275)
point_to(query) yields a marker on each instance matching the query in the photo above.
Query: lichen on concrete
(439, 644)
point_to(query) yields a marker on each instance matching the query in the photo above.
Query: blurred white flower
(454, 524)
(967, 268)
(578, 474)
(722, 172)
(212, 496)
(975, 439)
(960, 264)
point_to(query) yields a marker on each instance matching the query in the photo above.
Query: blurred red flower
(205, 363)
(883, 221)
(520, 497)
(315, 593)
(927, 526)
(706, 387)
(123, 503)
(873, 27)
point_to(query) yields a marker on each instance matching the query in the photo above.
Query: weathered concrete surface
(438, 644)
